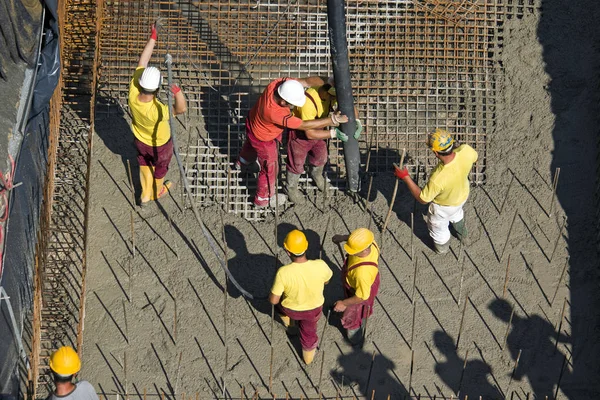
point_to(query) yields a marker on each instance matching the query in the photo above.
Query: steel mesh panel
(416, 65)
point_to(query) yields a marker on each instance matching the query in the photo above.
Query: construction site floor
(154, 322)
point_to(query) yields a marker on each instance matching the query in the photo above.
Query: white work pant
(438, 220)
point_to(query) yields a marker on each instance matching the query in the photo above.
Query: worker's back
(302, 284)
(83, 391)
(449, 183)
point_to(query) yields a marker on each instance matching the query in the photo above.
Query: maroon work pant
(299, 148)
(157, 157)
(353, 315)
(307, 324)
(266, 153)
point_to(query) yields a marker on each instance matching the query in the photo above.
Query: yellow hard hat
(439, 140)
(65, 361)
(295, 242)
(359, 240)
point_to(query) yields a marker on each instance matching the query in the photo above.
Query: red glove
(400, 173)
(153, 32)
(175, 89)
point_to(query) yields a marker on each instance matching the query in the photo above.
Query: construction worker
(64, 364)
(150, 124)
(311, 143)
(447, 189)
(301, 285)
(360, 277)
(265, 124)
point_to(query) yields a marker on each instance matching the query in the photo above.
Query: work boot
(260, 202)
(160, 188)
(146, 181)
(290, 325)
(316, 173)
(292, 188)
(441, 248)
(461, 232)
(242, 166)
(308, 355)
(355, 336)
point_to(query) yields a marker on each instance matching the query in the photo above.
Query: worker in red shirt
(264, 128)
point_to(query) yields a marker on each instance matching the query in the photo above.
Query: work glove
(338, 118)
(336, 133)
(175, 89)
(400, 173)
(155, 28)
(359, 129)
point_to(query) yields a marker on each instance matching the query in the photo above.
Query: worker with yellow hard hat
(447, 189)
(360, 277)
(64, 364)
(300, 285)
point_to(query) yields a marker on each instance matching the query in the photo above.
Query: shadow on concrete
(568, 32)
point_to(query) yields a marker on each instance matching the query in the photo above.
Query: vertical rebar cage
(416, 65)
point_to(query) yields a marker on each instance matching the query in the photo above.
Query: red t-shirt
(267, 118)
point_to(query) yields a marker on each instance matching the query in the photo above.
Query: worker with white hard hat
(299, 286)
(65, 364)
(150, 123)
(264, 128)
(447, 189)
(310, 146)
(360, 277)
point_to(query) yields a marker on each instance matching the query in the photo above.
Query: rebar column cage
(416, 65)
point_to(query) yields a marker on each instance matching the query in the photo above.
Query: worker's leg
(163, 156)
(267, 156)
(307, 324)
(297, 148)
(437, 223)
(317, 158)
(145, 160)
(458, 223)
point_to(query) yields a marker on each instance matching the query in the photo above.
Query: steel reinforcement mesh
(416, 65)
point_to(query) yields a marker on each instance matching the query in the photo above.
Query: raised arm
(180, 105)
(149, 48)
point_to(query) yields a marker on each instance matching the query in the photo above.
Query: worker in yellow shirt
(150, 123)
(360, 277)
(447, 189)
(310, 145)
(301, 285)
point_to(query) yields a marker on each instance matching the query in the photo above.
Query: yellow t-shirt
(449, 183)
(302, 284)
(361, 278)
(308, 111)
(150, 121)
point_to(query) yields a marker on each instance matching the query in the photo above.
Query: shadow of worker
(539, 362)
(473, 382)
(115, 132)
(253, 272)
(357, 373)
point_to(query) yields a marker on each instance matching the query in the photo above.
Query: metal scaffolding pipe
(336, 16)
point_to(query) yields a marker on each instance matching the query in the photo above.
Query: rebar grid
(61, 251)
(416, 65)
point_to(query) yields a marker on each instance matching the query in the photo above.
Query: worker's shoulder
(465, 149)
(85, 386)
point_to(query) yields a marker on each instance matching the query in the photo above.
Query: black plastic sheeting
(19, 32)
(25, 200)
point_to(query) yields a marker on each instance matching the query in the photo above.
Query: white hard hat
(150, 79)
(292, 91)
